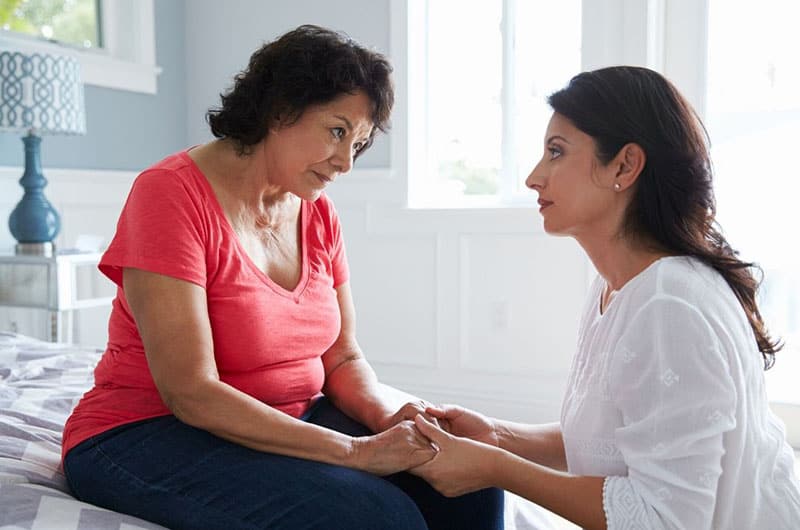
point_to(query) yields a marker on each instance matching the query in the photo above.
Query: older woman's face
(575, 189)
(312, 152)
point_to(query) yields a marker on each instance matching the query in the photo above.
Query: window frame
(618, 33)
(409, 18)
(660, 34)
(127, 60)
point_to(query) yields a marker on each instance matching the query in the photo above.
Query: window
(486, 77)
(116, 37)
(73, 22)
(753, 117)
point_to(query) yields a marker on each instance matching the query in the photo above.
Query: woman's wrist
(502, 434)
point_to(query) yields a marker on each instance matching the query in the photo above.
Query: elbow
(188, 403)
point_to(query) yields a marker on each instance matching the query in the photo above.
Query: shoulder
(683, 281)
(172, 181)
(324, 206)
(323, 213)
(173, 172)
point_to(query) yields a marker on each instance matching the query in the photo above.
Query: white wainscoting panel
(518, 299)
(394, 284)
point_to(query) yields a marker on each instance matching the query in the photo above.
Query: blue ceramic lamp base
(34, 222)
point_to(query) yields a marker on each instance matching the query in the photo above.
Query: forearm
(353, 387)
(235, 416)
(579, 499)
(542, 444)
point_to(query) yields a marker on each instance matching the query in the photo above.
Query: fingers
(409, 410)
(443, 411)
(431, 431)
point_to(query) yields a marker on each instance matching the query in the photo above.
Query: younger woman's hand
(460, 466)
(465, 423)
(396, 449)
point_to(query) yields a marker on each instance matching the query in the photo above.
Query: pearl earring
(617, 187)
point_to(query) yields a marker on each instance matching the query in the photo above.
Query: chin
(552, 230)
(312, 195)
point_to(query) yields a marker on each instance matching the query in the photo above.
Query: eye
(357, 147)
(554, 151)
(338, 132)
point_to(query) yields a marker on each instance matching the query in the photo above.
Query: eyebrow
(556, 137)
(344, 119)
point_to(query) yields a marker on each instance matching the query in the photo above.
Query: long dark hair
(673, 205)
(306, 66)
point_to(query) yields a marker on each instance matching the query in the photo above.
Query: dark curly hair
(673, 204)
(306, 66)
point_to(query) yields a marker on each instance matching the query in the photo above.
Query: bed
(40, 383)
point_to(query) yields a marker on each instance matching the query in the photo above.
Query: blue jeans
(167, 472)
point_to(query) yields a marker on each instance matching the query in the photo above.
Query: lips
(544, 204)
(325, 179)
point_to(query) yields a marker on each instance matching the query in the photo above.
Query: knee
(484, 508)
(491, 499)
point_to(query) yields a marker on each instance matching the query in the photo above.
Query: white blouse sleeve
(673, 389)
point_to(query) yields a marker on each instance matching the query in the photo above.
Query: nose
(342, 159)
(535, 180)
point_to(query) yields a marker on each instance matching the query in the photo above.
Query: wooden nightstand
(60, 284)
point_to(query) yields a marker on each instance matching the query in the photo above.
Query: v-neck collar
(294, 293)
(613, 301)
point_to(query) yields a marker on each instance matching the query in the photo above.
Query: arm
(463, 465)
(542, 443)
(172, 319)
(351, 383)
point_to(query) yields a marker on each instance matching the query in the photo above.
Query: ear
(629, 163)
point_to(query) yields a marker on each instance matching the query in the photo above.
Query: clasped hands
(451, 447)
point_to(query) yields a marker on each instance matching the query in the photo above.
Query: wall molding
(70, 175)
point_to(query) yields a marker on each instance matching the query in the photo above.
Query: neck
(243, 186)
(619, 259)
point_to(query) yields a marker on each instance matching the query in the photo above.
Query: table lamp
(40, 93)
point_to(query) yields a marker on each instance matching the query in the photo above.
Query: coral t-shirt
(268, 341)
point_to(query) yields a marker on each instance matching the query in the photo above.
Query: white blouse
(666, 399)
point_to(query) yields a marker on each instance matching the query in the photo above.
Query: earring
(617, 187)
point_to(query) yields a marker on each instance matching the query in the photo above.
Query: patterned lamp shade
(40, 92)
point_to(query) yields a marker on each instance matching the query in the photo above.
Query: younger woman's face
(576, 193)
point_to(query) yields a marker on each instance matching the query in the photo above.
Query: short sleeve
(162, 229)
(672, 385)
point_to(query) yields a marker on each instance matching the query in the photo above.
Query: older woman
(233, 317)
(665, 423)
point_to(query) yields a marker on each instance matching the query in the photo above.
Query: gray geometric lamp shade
(42, 92)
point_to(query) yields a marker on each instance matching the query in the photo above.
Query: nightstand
(60, 285)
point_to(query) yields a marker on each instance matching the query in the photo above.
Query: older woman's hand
(460, 466)
(408, 412)
(398, 448)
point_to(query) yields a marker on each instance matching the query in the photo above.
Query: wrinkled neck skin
(243, 186)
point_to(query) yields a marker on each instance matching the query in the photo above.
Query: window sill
(107, 72)
(485, 219)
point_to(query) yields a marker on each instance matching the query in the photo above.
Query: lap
(182, 477)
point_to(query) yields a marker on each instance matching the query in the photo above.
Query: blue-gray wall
(125, 130)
